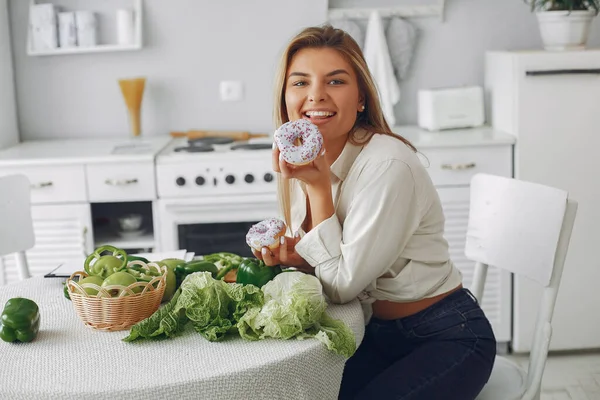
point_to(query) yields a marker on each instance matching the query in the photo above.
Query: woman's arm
(383, 215)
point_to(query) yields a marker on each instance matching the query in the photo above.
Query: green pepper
(136, 258)
(224, 261)
(20, 320)
(253, 271)
(100, 265)
(145, 274)
(183, 270)
(66, 291)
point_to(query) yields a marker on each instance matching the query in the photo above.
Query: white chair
(16, 225)
(524, 228)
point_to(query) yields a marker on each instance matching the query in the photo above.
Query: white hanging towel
(378, 59)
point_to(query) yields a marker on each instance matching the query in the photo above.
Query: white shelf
(76, 50)
(430, 10)
(101, 48)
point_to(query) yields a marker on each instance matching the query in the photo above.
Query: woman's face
(321, 86)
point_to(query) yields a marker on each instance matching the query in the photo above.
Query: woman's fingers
(275, 158)
(320, 162)
(283, 250)
(257, 254)
(268, 257)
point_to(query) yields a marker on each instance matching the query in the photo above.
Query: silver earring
(362, 108)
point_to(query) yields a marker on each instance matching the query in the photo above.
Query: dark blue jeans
(443, 352)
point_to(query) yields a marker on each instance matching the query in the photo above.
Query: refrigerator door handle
(583, 71)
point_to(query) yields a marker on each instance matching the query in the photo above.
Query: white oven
(208, 199)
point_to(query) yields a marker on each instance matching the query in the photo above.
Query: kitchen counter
(471, 137)
(82, 151)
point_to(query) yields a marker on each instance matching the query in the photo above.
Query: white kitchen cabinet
(549, 102)
(63, 233)
(452, 158)
(121, 182)
(53, 184)
(68, 178)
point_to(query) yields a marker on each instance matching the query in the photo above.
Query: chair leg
(22, 266)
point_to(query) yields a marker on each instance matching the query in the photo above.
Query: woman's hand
(285, 255)
(316, 176)
(315, 173)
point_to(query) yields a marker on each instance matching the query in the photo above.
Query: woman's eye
(336, 82)
(299, 83)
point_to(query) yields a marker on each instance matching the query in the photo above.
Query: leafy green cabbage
(291, 305)
(294, 306)
(212, 306)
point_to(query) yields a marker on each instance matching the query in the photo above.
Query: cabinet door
(496, 301)
(62, 233)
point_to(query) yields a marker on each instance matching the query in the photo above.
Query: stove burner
(209, 140)
(195, 149)
(251, 146)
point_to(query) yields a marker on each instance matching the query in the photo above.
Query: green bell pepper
(66, 291)
(20, 320)
(183, 270)
(136, 258)
(100, 265)
(141, 273)
(224, 261)
(253, 271)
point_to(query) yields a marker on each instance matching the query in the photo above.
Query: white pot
(565, 30)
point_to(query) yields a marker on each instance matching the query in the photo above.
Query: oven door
(212, 224)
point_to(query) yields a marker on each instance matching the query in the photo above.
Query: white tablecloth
(67, 360)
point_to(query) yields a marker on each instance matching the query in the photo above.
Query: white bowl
(130, 222)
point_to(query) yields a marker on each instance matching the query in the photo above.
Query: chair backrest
(524, 228)
(16, 225)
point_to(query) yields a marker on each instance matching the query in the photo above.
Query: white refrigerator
(8, 115)
(551, 102)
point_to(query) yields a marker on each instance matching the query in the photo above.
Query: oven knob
(180, 181)
(200, 180)
(230, 179)
(249, 178)
(268, 177)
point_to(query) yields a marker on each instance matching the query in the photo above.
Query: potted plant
(564, 24)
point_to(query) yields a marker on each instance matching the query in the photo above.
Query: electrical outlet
(231, 90)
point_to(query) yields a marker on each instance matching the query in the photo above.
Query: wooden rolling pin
(235, 135)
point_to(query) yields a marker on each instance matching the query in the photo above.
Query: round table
(68, 360)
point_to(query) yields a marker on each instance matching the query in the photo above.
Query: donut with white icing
(299, 141)
(266, 234)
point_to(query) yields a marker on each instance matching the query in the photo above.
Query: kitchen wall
(191, 45)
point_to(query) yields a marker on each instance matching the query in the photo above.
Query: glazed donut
(289, 134)
(266, 234)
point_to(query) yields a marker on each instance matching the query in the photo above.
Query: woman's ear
(361, 103)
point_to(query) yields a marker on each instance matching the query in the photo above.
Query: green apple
(96, 280)
(121, 278)
(171, 286)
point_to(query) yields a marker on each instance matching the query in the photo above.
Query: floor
(569, 376)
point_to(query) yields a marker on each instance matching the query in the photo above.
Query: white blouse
(386, 238)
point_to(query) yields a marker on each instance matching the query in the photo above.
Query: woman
(369, 224)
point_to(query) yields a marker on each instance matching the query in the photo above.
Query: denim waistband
(461, 300)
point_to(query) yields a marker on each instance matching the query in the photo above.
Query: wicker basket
(103, 312)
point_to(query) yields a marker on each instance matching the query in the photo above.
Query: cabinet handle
(583, 71)
(41, 185)
(458, 167)
(120, 182)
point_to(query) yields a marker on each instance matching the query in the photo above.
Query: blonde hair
(371, 119)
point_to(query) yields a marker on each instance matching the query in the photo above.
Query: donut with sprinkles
(299, 141)
(265, 234)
